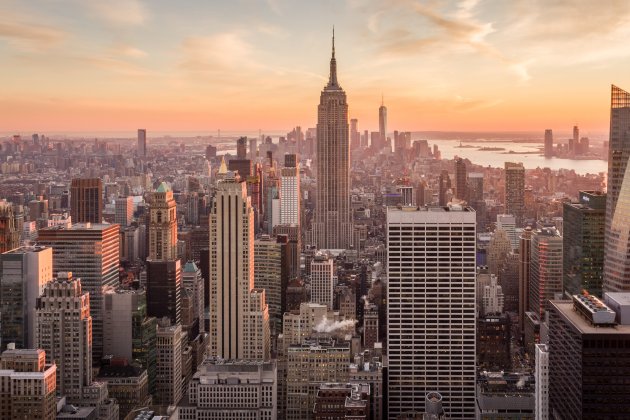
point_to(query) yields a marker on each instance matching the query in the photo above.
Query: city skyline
(467, 65)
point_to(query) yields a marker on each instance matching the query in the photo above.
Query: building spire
(382, 99)
(332, 79)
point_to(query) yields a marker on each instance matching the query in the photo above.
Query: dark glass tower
(617, 253)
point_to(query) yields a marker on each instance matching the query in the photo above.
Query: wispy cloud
(29, 34)
(119, 12)
(217, 52)
(125, 50)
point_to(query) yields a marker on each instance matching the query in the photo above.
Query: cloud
(217, 52)
(28, 33)
(119, 12)
(127, 51)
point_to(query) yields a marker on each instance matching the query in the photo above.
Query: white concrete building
(542, 382)
(290, 191)
(322, 274)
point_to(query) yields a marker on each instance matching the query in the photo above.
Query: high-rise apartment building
(64, 332)
(332, 228)
(461, 180)
(322, 279)
(23, 274)
(548, 143)
(382, 123)
(27, 385)
(239, 317)
(290, 191)
(583, 232)
(515, 191)
(232, 389)
(617, 258)
(91, 252)
(431, 278)
(124, 211)
(589, 361)
(86, 198)
(545, 269)
(163, 225)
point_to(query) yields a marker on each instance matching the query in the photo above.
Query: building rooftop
(190, 267)
(581, 324)
(80, 226)
(26, 249)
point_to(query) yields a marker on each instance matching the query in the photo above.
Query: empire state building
(333, 226)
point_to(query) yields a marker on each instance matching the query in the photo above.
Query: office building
(589, 361)
(525, 257)
(232, 389)
(322, 280)
(241, 148)
(507, 222)
(9, 230)
(142, 143)
(444, 185)
(502, 396)
(584, 227)
(515, 191)
(310, 364)
(290, 195)
(164, 290)
(492, 298)
(498, 250)
(239, 316)
(548, 143)
(163, 225)
(124, 211)
(193, 283)
(64, 332)
(420, 296)
(127, 383)
(271, 274)
(617, 259)
(86, 195)
(541, 374)
(342, 401)
(332, 228)
(90, 251)
(461, 180)
(129, 333)
(545, 269)
(27, 385)
(24, 272)
(493, 342)
(169, 381)
(294, 247)
(382, 123)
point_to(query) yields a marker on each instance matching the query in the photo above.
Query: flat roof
(565, 308)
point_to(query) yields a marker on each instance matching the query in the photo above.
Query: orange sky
(459, 65)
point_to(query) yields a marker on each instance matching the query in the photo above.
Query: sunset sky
(90, 65)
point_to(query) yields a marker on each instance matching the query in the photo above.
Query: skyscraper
(9, 231)
(164, 290)
(507, 222)
(23, 274)
(617, 258)
(525, 257)
(443, 187)
(322, 272)
(91, 252)
(124, 211)
(333, 225)
(290, 191)
(241, 148)
(142, 143)
(163, 225)
(239, 317)
(64, 332)
(431, 308)
(355, 136)
(86, 195)
(545, 269)
(271, 274)
(461, 180)
(583, 230)
(548, 143)
(382, 123)
(515, 191)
